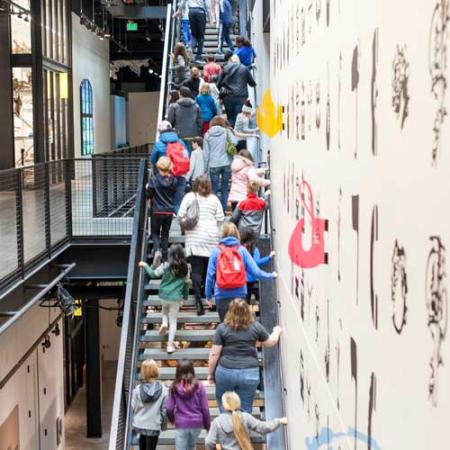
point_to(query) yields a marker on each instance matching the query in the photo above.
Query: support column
(6, 109)
(38, 83)
(93, 370)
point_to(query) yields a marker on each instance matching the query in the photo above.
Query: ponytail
(240, 433)
(231, 402)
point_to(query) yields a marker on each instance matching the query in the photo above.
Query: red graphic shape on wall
(315, 255)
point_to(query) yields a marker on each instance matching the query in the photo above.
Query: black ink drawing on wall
(302, 295)
(439, 34)
(372, 408)
(302, 378)
(354, 376)
(437, 308)
(318, 105)
(317, 414)
(355, 84)
(400, 94)
(303, 113)
(318, 9)
(328, 13)
(328, 347)
(374, 91)
(399, 287)
(317, 322)
(373, 239)
(355, 225)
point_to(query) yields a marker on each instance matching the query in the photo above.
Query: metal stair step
(168, 373)
(168, 438)
(161, 355)
(183, 317)
(182, 335)
(153, 300)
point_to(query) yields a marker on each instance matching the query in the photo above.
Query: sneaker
(163, 329)
(157, 258)
(170, 348)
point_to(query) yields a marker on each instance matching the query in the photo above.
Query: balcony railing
(46, 206)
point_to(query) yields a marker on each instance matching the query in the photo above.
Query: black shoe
(200, 309)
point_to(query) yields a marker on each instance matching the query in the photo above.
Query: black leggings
(148, 442)
(199, 265)
(160, 227)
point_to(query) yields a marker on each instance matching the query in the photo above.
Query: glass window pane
(23, 115)
(87, 122)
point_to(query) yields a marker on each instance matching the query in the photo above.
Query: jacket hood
(239, 163)
(168, 136)
(186, 102)
(230, 241)
(165, 181)
(225, 423)
(150, 392)
(183, 393)
(216, 131)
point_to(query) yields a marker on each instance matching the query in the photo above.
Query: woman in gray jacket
(216, 158)
(231, 428)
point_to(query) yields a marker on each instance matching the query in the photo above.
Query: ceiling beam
(138, 12)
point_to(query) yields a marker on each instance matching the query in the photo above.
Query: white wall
(91, 61)
(37, 388)
(143, 117)
(109, 331)
(352, 356)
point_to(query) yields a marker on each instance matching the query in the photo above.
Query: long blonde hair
(231, 402)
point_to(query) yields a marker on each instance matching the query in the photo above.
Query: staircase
(193, 340)
(212, 42)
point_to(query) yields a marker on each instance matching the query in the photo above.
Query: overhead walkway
(142, 316)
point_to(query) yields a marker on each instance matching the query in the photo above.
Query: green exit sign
(132, 26)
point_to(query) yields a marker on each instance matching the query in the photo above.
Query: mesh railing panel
(34, 211)
(58, 201)
(103, 196)
(9, 197)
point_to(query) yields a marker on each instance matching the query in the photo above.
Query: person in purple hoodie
(187, 406)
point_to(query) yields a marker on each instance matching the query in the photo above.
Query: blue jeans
(242, 381)
(221, 176)
(186, 30)
(197, 20)
(233, 106)
(186, 438)
(179, 193)
(225, 36)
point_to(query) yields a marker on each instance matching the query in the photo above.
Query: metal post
(19, 222)
(93, 370)
(46, 175)
(68, 171)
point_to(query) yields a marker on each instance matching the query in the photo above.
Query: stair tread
(183, 317)
(181, 335)
(162, 355)
(168, 438)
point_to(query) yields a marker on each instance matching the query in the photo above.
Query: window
(87, 118)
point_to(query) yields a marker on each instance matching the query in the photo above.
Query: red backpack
(230, 273)
(179, 157)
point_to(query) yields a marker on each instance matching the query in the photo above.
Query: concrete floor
(75, 420)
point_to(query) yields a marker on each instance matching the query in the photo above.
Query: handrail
(166, 58)
(119, 420)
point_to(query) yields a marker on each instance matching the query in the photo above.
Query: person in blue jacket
(167, 135)
(207, 106)
(249, 240)
(223, 297)
(245, 51)
(226, 23)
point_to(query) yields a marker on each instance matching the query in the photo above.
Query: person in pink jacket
(242, 170)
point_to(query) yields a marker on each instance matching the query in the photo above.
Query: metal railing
(120, 433)
(47, 205)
